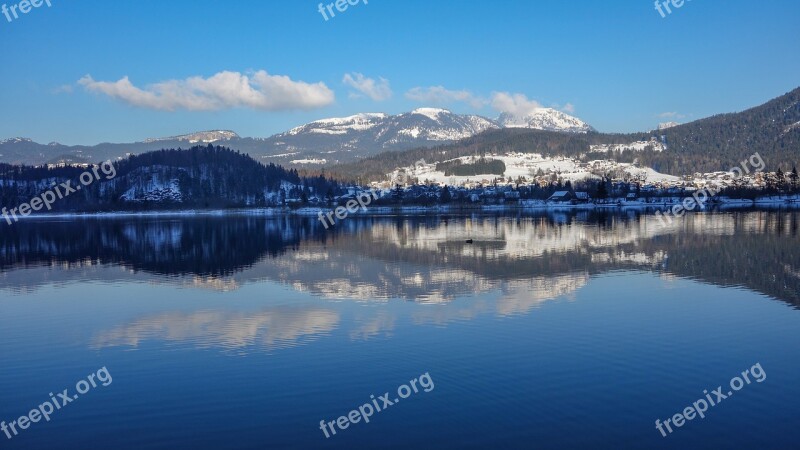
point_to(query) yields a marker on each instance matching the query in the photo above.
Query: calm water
(558, 331)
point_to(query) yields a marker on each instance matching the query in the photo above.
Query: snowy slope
(200, 136)
(632, 147)
(547, 119)
(534, 165)
(347, 138)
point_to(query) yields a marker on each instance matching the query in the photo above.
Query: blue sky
(261, 67)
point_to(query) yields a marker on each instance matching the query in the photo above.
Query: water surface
(554, 330)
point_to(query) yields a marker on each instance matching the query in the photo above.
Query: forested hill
(203, 176)
(712, 144)
(772, 129)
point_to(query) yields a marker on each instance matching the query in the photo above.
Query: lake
(560, 330)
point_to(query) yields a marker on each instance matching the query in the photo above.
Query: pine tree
(446, 197)
(602, 192)
(781, 178)
(397, 193)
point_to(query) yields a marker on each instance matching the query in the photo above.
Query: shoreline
(770, 203)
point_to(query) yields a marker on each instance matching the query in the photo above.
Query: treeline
(202, 176)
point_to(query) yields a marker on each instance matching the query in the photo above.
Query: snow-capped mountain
(548, 119)
(348, 138)
(200, 136)
(326, 141)
(340, 125)
(434, 124)
(423, 123)
(15, 140)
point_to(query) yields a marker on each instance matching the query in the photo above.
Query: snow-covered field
(638, 146)
(531, 165)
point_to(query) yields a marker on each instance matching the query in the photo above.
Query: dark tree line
(204, 176)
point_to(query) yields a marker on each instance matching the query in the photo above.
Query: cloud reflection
(272, 329)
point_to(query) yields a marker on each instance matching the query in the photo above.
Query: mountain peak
(548, 119)
(199, 136)
(431, 113)
(360, 117)
(339, 125)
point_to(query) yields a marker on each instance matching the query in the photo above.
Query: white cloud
(376, 90)
(438, 95)
(569, 108)
(220, 91)
(64, 89)
(671, 115)
(517, 105)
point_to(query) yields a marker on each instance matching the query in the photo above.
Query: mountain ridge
(712, 144)
(703, 145)
(330, 140)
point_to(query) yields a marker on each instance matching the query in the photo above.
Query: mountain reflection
(528, 259)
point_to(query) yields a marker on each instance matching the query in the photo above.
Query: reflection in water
(271, 329)
(380, 325)
(520, 261)
(528, 259)
(574, 311)
(520, 297)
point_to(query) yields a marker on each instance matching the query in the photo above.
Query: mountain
(722, 141)
(713, 144)
(706, 145)
(349, 138)
(326, 141)
(205, 137)
(547, 119)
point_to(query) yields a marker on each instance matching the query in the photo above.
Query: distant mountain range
(366, 134)
(372, 142)
(712, 144)
(326, 141)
